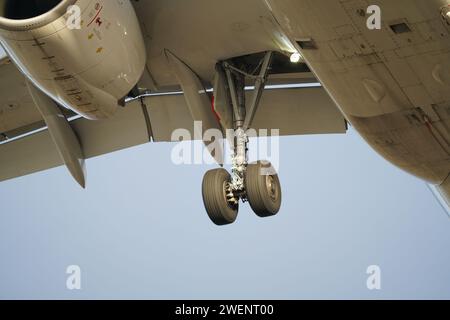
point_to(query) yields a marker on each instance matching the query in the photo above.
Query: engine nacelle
(89, 69)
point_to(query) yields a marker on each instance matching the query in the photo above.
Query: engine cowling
(86, 55)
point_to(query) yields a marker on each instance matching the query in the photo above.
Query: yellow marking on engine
(99, 49)
(90, 36)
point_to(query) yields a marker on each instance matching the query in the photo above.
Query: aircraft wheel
(263, 189)
(218, 199)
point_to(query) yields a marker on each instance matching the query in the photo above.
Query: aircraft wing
(26, 145)
(18, 114)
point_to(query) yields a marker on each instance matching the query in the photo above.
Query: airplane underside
(390, 83)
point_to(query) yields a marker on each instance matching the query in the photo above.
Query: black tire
(263, 189)
(219, 210)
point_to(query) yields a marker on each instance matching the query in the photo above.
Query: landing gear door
(222, 100)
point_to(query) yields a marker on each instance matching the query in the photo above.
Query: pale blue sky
(140, 230)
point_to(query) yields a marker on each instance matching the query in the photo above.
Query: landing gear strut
(256, 183)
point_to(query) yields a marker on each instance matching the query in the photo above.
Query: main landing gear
(256, 183)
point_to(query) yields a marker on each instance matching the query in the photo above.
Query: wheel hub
(230, 196)
(271, 188)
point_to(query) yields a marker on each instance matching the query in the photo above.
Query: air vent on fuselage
(400, 28)
(307, 44)
(25, 9)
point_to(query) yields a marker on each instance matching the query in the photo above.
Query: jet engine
(86, 55)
